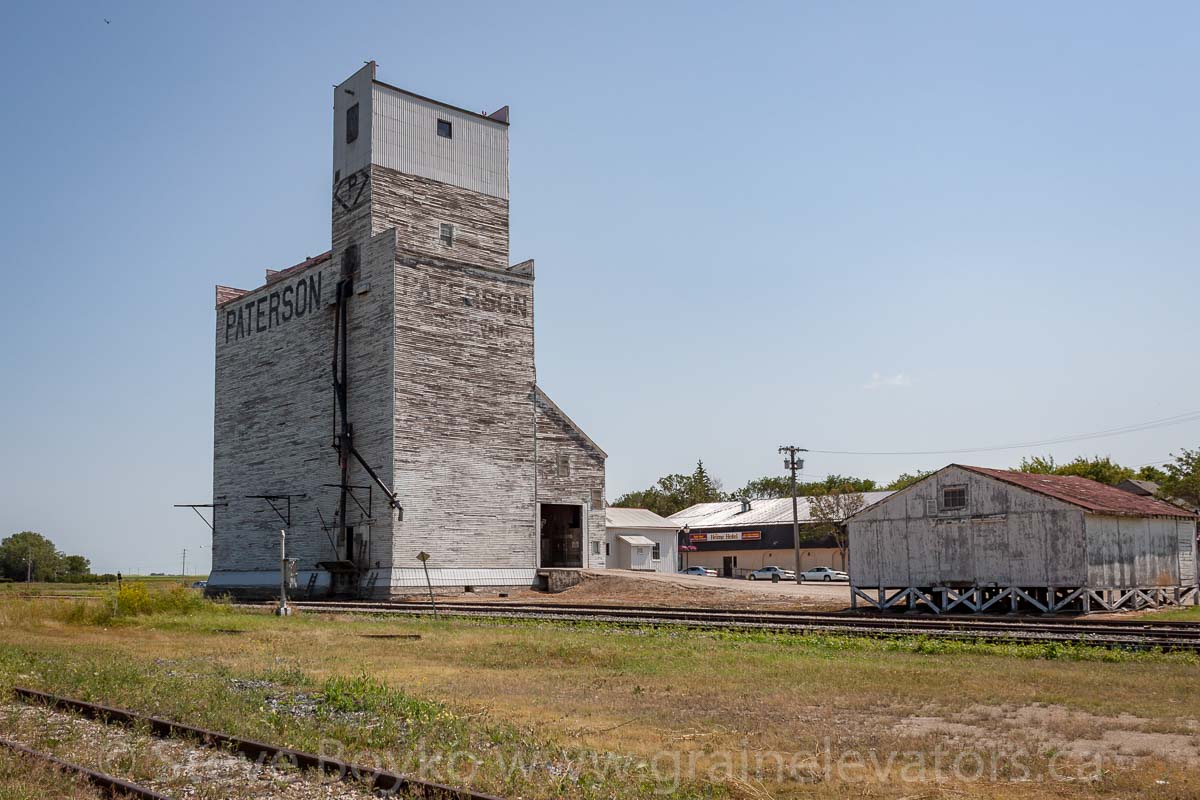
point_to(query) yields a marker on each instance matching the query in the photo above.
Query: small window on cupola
(351, 123)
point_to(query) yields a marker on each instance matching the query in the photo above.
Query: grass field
(43, 589)
(1182, 614)
(547, 710)
(25, 779)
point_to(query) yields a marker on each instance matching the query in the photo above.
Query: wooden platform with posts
(1012, 599)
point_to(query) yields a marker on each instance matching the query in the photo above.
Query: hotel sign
(726, 536)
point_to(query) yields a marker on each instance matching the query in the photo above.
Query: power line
(1158, 463)
(1178, 419)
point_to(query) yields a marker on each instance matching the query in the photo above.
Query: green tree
(676, 492)
(1102, 470)
(766, 487)
(906, 479)
(18, 550)
(1038, 465)
(75, 568)
(769, 487)
(1151, 473)
(1181, 479)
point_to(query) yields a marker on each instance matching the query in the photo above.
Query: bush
(133, 599)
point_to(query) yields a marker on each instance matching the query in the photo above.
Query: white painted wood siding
(403, 134)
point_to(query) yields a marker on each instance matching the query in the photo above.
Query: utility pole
(29, 565)
(794, 465)
(183, 568)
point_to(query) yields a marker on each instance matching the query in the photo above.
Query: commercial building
(977, 539)
(640, 539)
(379, 401)
(737, 537)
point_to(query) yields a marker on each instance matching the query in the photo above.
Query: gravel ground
(170, 766)
(625, 587)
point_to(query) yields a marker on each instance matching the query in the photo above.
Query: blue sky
(848, 226)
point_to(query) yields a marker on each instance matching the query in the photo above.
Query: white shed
(640, 539)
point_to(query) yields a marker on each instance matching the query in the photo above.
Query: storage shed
(976, 539)
(637, 538)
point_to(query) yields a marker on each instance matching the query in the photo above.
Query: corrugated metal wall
(404, 137)
(350, 157)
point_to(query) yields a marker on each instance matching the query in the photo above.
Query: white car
(772, 574)
(823, 574)
(701, 571)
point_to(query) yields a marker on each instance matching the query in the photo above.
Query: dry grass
(744, 715)
(23, 778)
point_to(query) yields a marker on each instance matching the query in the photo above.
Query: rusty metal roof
(1088, 494)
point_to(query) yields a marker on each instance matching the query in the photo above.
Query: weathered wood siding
(442, 393)
(273, 403)
(464, 429)
(584, 483)
(1126, 552)
(1006, 535)
(416, 207)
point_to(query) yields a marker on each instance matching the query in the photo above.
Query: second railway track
(1124, 634)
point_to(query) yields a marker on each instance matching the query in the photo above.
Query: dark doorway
(727, 567)
(349, 543)
(562, 535)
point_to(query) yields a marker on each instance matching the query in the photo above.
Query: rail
(1125, 634)
(384, 781)
(114, 787)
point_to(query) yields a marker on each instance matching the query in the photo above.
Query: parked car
(703, 572)
(823, 574)
(199, 584)
(772, 574)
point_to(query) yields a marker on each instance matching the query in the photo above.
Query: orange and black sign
(726, 536)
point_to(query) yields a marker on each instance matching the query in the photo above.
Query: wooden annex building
(976, 539)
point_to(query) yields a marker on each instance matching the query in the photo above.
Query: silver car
(823, 574)
(772, 574)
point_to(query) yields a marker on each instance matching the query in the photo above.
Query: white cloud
(886, 381)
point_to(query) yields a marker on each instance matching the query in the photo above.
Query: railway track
(114, 787)
(1124, 634)
(382, 782)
